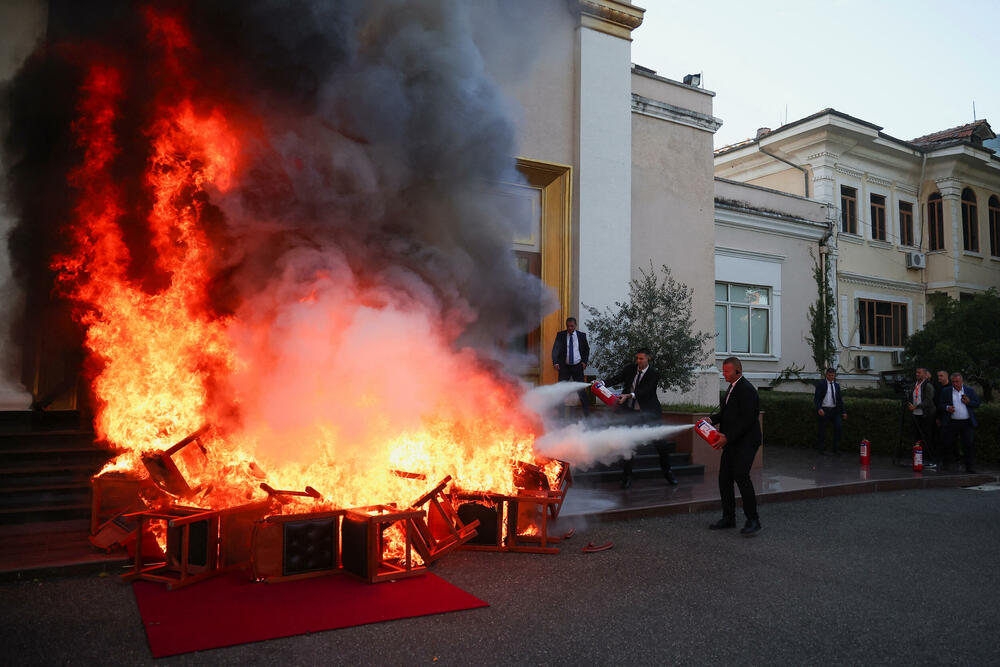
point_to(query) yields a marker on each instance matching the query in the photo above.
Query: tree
(821, 314)
(962, 337)
(656, 316)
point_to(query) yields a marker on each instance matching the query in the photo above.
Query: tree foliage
(962, 337)
(656, 316)
(821, 314)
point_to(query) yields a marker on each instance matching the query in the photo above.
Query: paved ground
(907, 577)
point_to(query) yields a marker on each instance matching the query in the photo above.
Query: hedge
(790, 419)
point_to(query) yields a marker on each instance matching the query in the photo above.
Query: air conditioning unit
(916, 260)
(863, 362)
(897, 357)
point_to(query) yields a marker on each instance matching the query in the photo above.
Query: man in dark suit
(570, 356)
(940, 444)
(921, 406)
(738, 421)
(639, 403)
(959, 418)
(829, 410)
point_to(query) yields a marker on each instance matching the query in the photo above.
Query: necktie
(635, 384)
(569, 349)
(729, 392)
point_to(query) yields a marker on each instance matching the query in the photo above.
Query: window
(742, 318)
(878, 217)
(881, 323)
(935, 222)
(905, 223)
(994, 210)
(848, 210)
(970, 221)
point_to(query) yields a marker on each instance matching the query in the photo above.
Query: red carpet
(230, 609)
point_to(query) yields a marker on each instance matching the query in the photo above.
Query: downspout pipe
(805, 174)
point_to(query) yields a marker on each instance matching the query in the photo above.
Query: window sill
(880, 348)
(745, 356)
(972, 253)
(851, 238)
(879, 243)
(994, 258)
(939, 251)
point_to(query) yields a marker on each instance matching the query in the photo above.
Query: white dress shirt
(961, 411)
(573, 358)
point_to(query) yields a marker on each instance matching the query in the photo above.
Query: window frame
(880, 329)
(877, 216)
(970, 221)
(848, 210)
(906, 223)
(993, 208)
(935, 222)
(729, 304)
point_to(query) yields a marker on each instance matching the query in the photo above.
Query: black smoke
(382, 141)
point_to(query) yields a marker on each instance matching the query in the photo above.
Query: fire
(330, 381)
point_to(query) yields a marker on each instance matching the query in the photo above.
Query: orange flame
(316, 398)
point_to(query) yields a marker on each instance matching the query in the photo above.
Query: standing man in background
(830, 410)
(738, 420)
(570, 356)
(941, 447)
(921, 406)
(960, 401)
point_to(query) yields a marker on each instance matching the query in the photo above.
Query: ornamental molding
(749, 254)
(907, 189)
(876, 180)
(656, 109)
(822, 154)
(769, 224)
(611, 17)
(849, 172)
(880, 283)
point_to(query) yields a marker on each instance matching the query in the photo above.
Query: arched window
(970, 221)
(935, 222)
(994, 210)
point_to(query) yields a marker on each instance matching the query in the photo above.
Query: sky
(912, 67)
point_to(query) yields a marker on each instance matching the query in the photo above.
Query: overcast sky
(912, 67)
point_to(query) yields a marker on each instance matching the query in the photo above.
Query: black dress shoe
(751, 527)
(626, 482)
(724, 522)
(671, 480)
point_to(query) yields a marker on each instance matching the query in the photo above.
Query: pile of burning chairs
(180, 544)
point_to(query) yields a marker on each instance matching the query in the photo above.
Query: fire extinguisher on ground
(866, 453)
(918, 456)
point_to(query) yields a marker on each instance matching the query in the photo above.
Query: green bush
(790, 420)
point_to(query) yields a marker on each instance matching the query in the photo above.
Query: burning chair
(200, 543)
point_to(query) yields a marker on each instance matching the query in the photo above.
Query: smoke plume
(584, 448)
(362, 259)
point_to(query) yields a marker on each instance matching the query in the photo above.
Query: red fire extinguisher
(602, 392)
(866, 453)
(918, 456)
(708, 433)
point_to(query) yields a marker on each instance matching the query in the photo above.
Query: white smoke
(545, 398)
(583, 448)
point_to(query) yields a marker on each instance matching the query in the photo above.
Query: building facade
(907, 219)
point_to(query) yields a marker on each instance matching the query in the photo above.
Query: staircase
(46, 461)
(645, 464)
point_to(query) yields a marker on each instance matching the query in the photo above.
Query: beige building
(767, 244)
(909, 218)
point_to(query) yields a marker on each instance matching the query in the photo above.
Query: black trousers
(962, 428)
(734, 468)
(575, 373)
(834, 418)
(923, 429)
